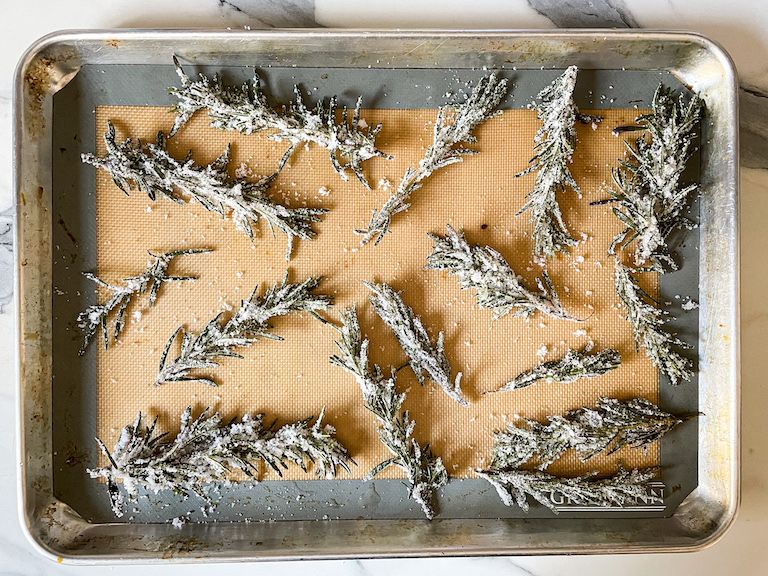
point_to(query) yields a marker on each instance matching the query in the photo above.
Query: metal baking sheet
(72, 74)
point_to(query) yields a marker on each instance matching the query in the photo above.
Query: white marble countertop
(741, 26)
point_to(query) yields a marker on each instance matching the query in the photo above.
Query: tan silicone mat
(293, 379)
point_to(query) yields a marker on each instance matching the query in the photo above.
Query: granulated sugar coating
(293, 379)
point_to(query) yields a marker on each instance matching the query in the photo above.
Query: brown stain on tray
(293, 379)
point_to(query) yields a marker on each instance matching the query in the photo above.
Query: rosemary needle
(425, 471)
(555, 144)
(574, 366)
(250, 323)
(150, 168)
(486, 271)
(620, 489)
(246, 110)
(481, 105)
(611, 425)
(95, 317)
(423, 356)
(650, 199)
(206, 449)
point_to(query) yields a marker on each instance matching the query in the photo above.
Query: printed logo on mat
(653, 502)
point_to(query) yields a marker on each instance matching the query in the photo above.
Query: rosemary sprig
(650, 200)
(498, 286)
(610, 426)
(648, 323)
(479, 106)
(620, 489)
(414, 340)
(425, 471)
(575, 365)
(150, 168)
(249, 324)
(206, 449)
(555, 143)
(93, 317)
(246, 110)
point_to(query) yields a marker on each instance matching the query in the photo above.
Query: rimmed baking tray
(704, 513)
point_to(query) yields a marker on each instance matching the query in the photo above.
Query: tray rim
(28, 494)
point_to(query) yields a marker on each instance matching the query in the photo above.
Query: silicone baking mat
(104, 231)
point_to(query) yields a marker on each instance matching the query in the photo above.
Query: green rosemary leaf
(152, 278)
(610, 426)
(555, 143)
(649, 199)
(246, 110)
(413, 338)
(150, 168)
(206, 449)
(498, 286)
(479, 107)
(250, 323)
(648, 323)
(620, 489)
(425, 471)
(575, 365)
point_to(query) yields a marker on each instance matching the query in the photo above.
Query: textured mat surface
(293, 379)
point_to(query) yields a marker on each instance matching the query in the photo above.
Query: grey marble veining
(6, 259)
(585, 13)
(6, 213)
(270, 13)
(232, 14)
(6, 197)
(753, 127)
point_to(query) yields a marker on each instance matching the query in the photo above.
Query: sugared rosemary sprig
(621, 489)
(246, 110)
(425, 471)
(206, 449)
(93, 317)
(574, 366)
(649, 199)
(610, 426)
(479, 106)
(249, 324)
(498, 286)
(555, 143)
(414, 340)
(150, 168)
(648, 322)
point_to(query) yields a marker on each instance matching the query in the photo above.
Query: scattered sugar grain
(690, 304)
